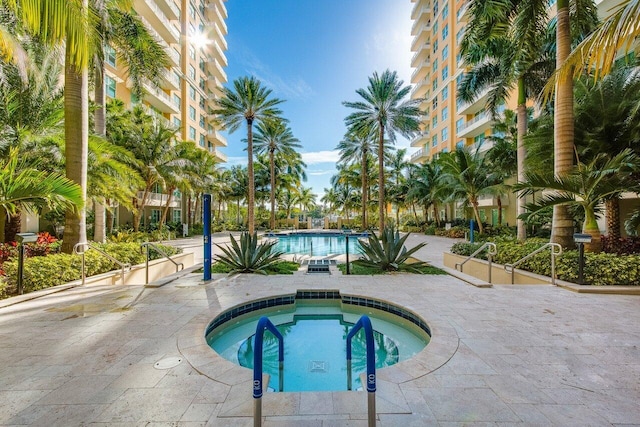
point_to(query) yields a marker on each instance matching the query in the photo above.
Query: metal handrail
(161, 252)
(365, 323)
(123, 265)
(264, 323)
(556, 250)
(490, 253)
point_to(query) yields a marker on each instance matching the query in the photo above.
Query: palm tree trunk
(109, 218)
(165, 211)
(272, 169)
(425, 210)
(100, 129)
(612, 215)
(198, 214)
(76, 130)
(562, 224)
(521, 155)
(476, 213)
(590, 226)
(365, 185)
(189, 221)
(12, 227)
(238, 212)
(251, 189)
(381, 176)
(413, 209)
(141, 205)
(499, 203)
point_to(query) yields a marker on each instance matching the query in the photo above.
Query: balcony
(170, 81)
(157, 98)
(214, 85)
(421, 41)
(216, 138)
(421, 89)
(420, 56)
(463, 12)
(478, 104)
(421, 139)
(422, 22)
(216, 69)
(476, 126)
(421, 71)
(216, 16)
(158, 20)
(219, 155)
(420, 156)
(421, 8)
(169, 8)
(160, 199)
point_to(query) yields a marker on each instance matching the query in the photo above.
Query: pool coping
(192, 344)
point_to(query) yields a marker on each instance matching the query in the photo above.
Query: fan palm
(274, 138)
(586, 186)
(384, 110)
(248, 102)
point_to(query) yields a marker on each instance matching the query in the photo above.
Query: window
(202, 125)
(202, 83)
(192, 92)
(192, 72)
(177, 122)
(445, 113)
(445, 32)
(434, 84)
(177, 215)
(202, 65)
(445, 92)
(192, 113)
(434, 140)
(434, 121)
(435, 8)
(445, 72)
(192, 52)
(110, 55)
(445, 134)
(460, 143)
(192, 11)
(202, 140)
(155, 215)
(445, 52)
(459, 125)
(177, 100)
(478, 140)
(202, 101)
(110, 86)
(435, 45)
(434, 66)
(445, 11)
(192, 133)
(434, 28)
(459, 36)
(434, 102)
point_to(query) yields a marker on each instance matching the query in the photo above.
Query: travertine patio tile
(199, 412)
(313, 403)
(463, 405)
(572, 415)
(80, 390)
(147, 404)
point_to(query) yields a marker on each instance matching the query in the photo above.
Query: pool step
(319, 265)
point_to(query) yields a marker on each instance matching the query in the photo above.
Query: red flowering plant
(43, 246)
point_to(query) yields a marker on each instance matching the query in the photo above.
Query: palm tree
(467, 177)
(145, 59)
(24, 187)
(273, 137)
(503, 42)
(426, 188)
(306, 199)
(248, 102)
(384, 111)
(354, 148)
(586, 186)
(398, 165)
(239, 187)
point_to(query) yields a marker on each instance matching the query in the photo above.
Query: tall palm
(239, 187)
(274, 137)
(426, 188)
(563, 148)
(248, 102)
(306, 199)
(467, 177)
(385, 111)
(587, 185)
(120, 28)
(503, 42)
(359, 147)
(397, 168)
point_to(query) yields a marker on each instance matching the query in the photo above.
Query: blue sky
(315, 54)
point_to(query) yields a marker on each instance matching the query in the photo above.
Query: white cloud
(315, 157)
(322, 172)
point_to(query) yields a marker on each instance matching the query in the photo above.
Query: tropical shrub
(388, 253)
(55, 269)
(278, 267)
(248, 256)
(456, 232)
(621, 246)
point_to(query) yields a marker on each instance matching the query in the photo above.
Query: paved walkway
(508, 355)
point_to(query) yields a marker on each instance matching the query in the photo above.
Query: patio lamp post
(23, 238)
(580, 240)
(346, 237)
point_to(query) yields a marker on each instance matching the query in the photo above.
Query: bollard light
(581, 239)
(23, 238)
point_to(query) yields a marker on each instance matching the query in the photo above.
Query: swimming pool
(314, 332)
(317, 244)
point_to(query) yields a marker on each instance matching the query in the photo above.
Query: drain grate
(318, 366)
(168, 363)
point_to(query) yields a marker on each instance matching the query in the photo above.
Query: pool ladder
(264, 323)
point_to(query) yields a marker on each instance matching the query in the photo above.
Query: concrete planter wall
(480, 268)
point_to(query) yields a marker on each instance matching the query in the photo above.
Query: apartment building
(193, 34)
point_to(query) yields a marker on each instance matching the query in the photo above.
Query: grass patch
(280, 267)
(358, 270)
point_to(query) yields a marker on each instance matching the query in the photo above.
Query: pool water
(315, 344)
(317, 244)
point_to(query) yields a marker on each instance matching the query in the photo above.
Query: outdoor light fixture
(580, 240)
(23, 238)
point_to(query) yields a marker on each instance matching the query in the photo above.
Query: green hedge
(600, 269)
(51, 270)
